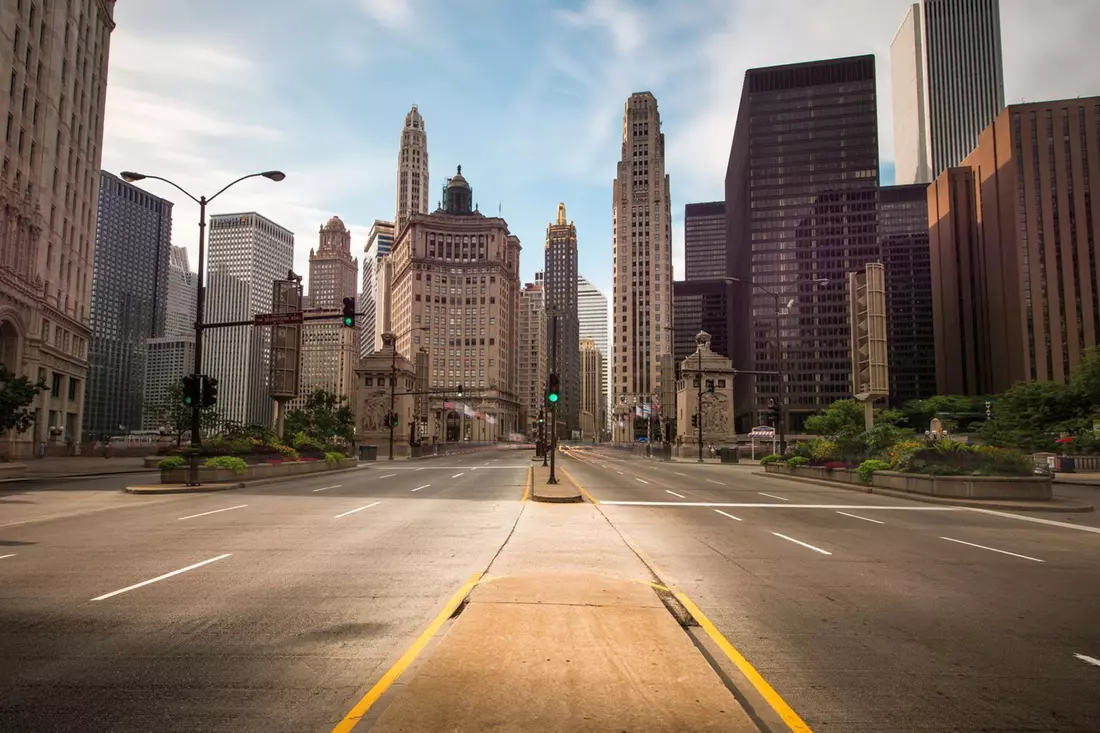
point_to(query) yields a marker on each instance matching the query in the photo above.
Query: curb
(925, 499)
(228, 486)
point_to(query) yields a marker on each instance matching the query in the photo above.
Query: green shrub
(822, 449)
(773, 458)
(803, 449)
(333, 457)
(233, 463)
(794, 461)
(172, 462)
(288, 453)
(304, 442)
(868, 468)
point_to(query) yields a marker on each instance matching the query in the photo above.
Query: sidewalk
(564, 632)
(74, 466)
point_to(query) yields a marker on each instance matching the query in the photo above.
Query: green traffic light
(553, 397)
(347, 320)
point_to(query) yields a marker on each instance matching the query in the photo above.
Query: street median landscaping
(229, 460)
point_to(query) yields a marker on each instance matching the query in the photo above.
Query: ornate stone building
(456, 294)
(716, 408)
(56, 54)
(412, 170)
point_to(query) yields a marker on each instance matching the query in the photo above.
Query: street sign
(278, 319)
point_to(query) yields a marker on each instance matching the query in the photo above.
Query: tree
(16, 395)
(325, 416)
(840, 417)
(1031, 415)
(172, 414)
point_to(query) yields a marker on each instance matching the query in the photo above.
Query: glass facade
(910, 342)
(705, 241)
(129, 302)
(700, 306)
(801, 199)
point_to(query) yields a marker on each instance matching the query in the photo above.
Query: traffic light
(552, 389)
(209, 391)
(393, 419)
(190, 390)
(460, 390)
(349, 312)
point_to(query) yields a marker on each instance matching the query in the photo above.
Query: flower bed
(1027, 488)
(253, 472)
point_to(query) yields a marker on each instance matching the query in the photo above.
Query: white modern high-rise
(379, 244)
(592, 312)
(246, 254)
(948, 84)
(412, 170)
(167, 360)
(179, 319)
(642, 231)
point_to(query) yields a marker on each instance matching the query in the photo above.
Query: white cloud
(167, 58)
(393, 14)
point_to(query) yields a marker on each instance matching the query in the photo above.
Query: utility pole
(699, 403)
(553, 402)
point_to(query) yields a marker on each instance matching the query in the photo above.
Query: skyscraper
(456, 295)
(948, 84)
(332, 269)
(592, 318)
(592, 401)
(532, 354)
(796, 231)
(329, 349)
(247, 253)
(167, 360)
(642, 226)
(379, 243)
(705, 242)
(700, 305)
(1014, 261)
(562, 325)
(903, 239)
(129, 301)
(49, 188)
(179, 318)
(412, 170)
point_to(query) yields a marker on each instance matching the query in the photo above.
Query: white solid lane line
(728, 515)
(641, 479)
(353, 511)
(800, 542)
(712, 481)
(418, 488)
(675, 494)
(865, 519)
(620, 473)
(161, 577)
(773, 505)
(216, 511)
(772, 496)
(388, 475)
(456, 475)
(679, 474)
(4, 556)
(326, 488)
(993, 549)
(1087, 660)
(1037, 520)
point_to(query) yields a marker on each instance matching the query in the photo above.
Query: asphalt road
(868, 613)
(271, 608)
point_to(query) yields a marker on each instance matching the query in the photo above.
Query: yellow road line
(527, 488)
(579, 487)
(356, 714)
(778, 704)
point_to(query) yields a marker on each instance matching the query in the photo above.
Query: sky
(526, 95)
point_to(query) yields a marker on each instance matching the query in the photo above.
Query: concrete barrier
(1019, 488)
(253, 472)
(12, 470)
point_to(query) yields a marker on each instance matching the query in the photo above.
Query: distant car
(643, 440)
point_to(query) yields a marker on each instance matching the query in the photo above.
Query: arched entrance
(9, 346)
(453, 434)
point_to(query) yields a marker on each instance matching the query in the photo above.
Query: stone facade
(717, 405)
(49, 184)
(532, 355)
(456, 293)
(374, 379)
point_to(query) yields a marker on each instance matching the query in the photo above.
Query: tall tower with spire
(562, 323)
(412, 170)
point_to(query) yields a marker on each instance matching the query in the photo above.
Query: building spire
(561, 214)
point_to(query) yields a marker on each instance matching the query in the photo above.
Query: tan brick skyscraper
(642, 307)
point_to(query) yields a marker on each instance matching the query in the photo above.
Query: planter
(255, 472)
(1023, 488)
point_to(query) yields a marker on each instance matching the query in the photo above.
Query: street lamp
(779, 344)
(391, 339)
(202, 201)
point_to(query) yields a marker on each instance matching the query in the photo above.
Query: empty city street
(278, 606)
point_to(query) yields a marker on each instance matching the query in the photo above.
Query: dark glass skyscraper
(801, 194)
(910, 342)
(129, 300)
(562, 318)
(705, 242)
(700, 306)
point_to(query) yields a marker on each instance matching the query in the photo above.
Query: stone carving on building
(375, 407)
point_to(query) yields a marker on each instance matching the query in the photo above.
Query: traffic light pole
(699, 404)
(196, 415)
(553, 405)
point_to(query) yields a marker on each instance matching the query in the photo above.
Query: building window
(381, 381)
(73, 385)
(55, 385)
(368, 381)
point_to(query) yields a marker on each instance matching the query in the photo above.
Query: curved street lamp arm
(228, 186)
(178, 187)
